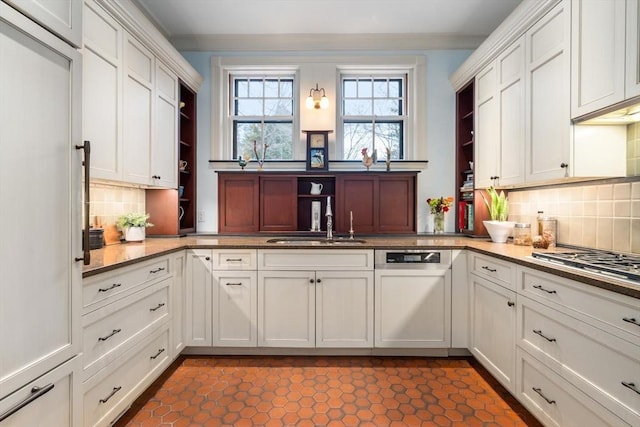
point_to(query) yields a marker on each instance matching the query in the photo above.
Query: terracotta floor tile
(326, 391)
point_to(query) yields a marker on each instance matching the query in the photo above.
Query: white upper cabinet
(548, 125)
(62, 17)
(632, 87)
(487, 148)
(598, 54)
(164, 149)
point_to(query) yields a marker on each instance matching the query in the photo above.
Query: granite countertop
(120, 255)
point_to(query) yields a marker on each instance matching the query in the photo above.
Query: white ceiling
(198, 23)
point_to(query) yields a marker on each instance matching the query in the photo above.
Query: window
(373, 115)
(262, 110)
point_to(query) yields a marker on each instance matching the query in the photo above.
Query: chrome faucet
(351, 225)
(329, 215)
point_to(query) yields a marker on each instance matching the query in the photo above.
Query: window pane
(242, 88)
(357, 107)
(255, 88)
(249, 107)
(278, 107)
(350, 89)
(364, 89)
(286, 88)
(389, 135)
(279, 136)
(271, 88)
(387, 107)
(380, 89)
(395, 88)
(356, 137)
(246, 133)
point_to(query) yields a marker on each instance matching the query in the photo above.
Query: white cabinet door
(198, 297)
(510, 93)
(493, 329)
(286, 309)
(548, 135)
(235, 309)
(597, 55)
(40, 124)
(138, 111)
(412, 309)
(102, 92)
(63, 17)
(632, 87)
(344, 309)
(487, 136)
(164, 150)
(178, 295)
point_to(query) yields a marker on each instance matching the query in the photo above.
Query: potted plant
(498, 206)
(133, 226)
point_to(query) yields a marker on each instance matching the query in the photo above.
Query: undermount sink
(316, 241)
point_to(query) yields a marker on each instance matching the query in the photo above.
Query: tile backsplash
(110, 201)
(603, 215)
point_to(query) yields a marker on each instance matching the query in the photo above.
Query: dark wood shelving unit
(470, 210)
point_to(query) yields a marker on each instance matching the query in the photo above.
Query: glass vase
(438, 223)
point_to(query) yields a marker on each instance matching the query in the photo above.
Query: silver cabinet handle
(631, 386)
(36, 392)
(486, 267)
(157, 307)
(631, 320)
(157, 270)
(115, 331)
(115, 285)
(539, 391)
(539, 332)
(114, 391)
(160, 351)
(539, 287)
(86, 253)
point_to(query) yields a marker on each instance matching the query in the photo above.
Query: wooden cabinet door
(63, 17)
(632, 86)
(178, 298)
(493, 329)
(487, 143)
(198, 297)
(396, 204)
(344, 309)
(278, 203)
(235, 309)
(164, 147)
(357, 194)
(238, 203)
(40, 124)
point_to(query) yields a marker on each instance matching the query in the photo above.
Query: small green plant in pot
(498, 206)
(133, 226)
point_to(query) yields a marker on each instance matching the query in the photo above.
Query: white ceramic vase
(134, 234)
(499, 230)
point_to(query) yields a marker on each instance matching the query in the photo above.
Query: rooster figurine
(367, 160)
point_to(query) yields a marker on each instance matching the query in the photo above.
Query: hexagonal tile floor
(326, 391)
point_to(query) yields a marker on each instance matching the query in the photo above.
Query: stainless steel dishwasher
(412, 298)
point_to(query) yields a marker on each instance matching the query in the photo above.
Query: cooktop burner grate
(611, 264)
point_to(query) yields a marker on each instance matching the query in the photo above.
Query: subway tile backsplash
(598, 215)
(110, 201)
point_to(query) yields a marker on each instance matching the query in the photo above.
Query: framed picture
(317, 149)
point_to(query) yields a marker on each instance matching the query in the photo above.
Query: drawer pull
(631, 320)
(539, 332)
(631, 386)
(160, 351)
(115, 331)
(157, 307)
(36, 392)
(157, 270)
(492, 270)
(115, 285)
(234, 284)
(511, 303)
(539, 391)
(543, 289)
(114, 391)
(234, 259)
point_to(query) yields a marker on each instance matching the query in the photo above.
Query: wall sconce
(316, 100)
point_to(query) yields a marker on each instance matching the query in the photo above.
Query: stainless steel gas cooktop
(610, 264)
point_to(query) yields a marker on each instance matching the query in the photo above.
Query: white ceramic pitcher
(316, 188)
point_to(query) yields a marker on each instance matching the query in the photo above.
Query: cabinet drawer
(111, 328)
(556, 402)
(593, 360)
(498, 271)
(65, 392)
(604, 309)
(112, 390)
(98, 288)
(318, 259)
(234, 259)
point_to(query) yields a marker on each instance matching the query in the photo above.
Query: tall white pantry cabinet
(40, 182)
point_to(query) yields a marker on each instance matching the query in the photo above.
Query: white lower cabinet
(554, 401)
(493, 329)
(412, 309)
(235, 309)
(110, 392)
(198, 297)
(56, 395)
(178, 323)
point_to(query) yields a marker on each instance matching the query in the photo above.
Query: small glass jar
(549, 230)
(522, 234)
